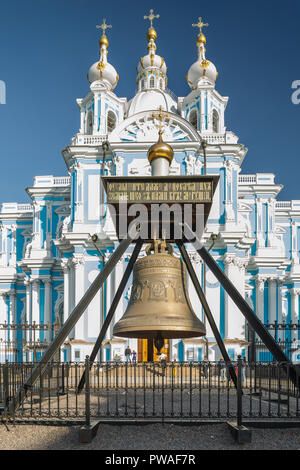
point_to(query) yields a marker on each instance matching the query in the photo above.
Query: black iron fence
(286, 336)
(24, 342)
(193, 391)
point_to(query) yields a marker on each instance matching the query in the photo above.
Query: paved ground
(144, 437)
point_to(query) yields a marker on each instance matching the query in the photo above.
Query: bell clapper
(159, 342)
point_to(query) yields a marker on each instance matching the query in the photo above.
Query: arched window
(161, 84)
(215, 121)
(142, 84)
(89, 122)
(194, 118)
(151, 82)
(111, 121)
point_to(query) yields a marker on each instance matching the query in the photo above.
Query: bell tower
(101, 110)
(204, 107)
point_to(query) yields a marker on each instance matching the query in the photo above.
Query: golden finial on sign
(160, 149)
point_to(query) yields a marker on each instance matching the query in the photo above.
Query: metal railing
(24, 342)
(286, 336)
(194, 391)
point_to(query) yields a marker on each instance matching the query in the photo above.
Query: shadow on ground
(144, 437)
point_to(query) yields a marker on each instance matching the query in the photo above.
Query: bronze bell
(159, 305)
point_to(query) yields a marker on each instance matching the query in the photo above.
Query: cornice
(34, 191)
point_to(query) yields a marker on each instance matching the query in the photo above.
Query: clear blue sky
(47, 47)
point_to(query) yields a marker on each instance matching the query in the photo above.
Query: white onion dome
(151, 69)
(202, 71)
(102, 70)
(151, 81)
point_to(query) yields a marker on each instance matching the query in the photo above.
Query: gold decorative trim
(101, 66)
(205, 63)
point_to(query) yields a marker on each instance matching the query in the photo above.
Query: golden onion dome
(160, 149)
(201, 39)
(151, 34)
(103, 41)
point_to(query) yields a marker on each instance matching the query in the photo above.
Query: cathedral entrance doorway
(147, 352)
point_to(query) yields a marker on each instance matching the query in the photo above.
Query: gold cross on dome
(103, 26)
(151, 17)
(160, 116)
(200, 24)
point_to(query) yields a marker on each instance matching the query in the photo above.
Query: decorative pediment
(244, 207)
(141, 128)
(279, 229)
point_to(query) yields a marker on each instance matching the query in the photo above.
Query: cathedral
(48, 257)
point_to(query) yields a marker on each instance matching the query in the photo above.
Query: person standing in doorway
(128, 354)
(163, 359)
(244, 365)
(205, 367)
(222, 369)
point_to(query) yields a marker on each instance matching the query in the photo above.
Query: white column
(272, 300)
(260, 285)
(229, 212)
(234, 320)
(202, 113)
(12, 307)
(294, 311)
(110, 291)
(12, 313)
(96, 114)
(279, 297)
(35, 301)
(66, 271)
(295, 258)
(228, 262)
(13, 258)
(71, 298)
(28, 306)
(260, 243)
(71, 286)
(79, 291)
(48, 303)
(3, 314)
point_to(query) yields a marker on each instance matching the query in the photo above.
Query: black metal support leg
(71, 321)
(112, 309)
(245, 308)
(207, 310)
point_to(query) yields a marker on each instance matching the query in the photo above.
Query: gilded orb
(160, 149)
(151, 34)
(103, 41)
(201, 39)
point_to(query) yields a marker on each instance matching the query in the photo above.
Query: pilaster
(35, 286)
(294, 311)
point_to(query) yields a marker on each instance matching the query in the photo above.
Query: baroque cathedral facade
(48, 258)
